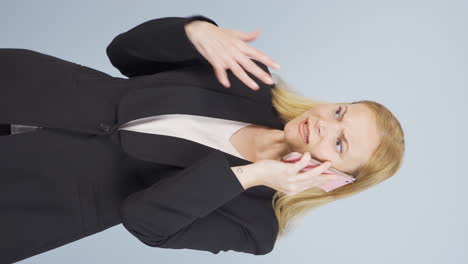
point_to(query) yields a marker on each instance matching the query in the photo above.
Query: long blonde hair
(384, 163)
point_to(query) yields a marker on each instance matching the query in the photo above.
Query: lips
(303, 127)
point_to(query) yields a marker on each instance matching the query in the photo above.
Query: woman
(180, 160)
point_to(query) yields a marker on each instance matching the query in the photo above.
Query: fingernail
(292, 155)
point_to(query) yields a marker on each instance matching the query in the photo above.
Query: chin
(294, 145)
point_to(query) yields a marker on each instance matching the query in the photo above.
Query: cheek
(322, 151)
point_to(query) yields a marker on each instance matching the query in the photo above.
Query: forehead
(361, 130)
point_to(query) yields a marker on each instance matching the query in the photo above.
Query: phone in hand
(330, 186)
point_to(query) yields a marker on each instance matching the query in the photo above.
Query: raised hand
(287, 178)
(225, 49)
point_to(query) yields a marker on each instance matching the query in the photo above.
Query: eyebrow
(344, 136)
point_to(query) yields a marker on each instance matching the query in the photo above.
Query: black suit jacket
(194, 200)
(203, 206)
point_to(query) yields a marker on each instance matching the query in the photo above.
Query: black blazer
(204, 206)
(195, 201)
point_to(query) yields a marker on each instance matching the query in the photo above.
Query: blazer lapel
(184, 99)
(174, 99)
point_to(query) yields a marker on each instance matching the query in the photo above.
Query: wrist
(193, 25)
(246, 175)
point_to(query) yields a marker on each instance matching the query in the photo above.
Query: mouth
(304, 130)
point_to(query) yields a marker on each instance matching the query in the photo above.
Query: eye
(338, 112)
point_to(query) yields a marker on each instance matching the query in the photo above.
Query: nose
(320, 127)
(325, 127)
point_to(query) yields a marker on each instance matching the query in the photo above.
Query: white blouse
(213, 132)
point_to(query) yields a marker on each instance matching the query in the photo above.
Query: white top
(213, 132)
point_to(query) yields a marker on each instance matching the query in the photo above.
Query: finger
(250, 36)
(250, 66)
(258, 55)
(320, 168)
(314, 172)
(245, 36)
(309, 179)
(299, 165)
(222, 77)
(240, 73)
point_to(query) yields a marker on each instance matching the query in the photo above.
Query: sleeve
(156, 45)
(180, 212)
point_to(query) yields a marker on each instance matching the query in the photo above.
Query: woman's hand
(285, 177)
(225, 49)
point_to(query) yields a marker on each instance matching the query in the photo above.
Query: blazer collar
(184, 99)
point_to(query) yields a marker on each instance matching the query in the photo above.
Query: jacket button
(104, 127)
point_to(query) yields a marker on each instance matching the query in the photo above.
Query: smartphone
(330, 186)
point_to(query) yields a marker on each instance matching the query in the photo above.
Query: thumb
(292, 156)
(249, 36)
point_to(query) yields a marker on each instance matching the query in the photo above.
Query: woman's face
(327, 123)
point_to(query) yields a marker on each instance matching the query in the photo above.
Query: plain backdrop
(409, 55)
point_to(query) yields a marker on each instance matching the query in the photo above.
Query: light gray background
(409, 55)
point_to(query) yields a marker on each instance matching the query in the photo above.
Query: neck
(268, 143)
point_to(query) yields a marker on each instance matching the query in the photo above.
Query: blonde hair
(384, 163)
